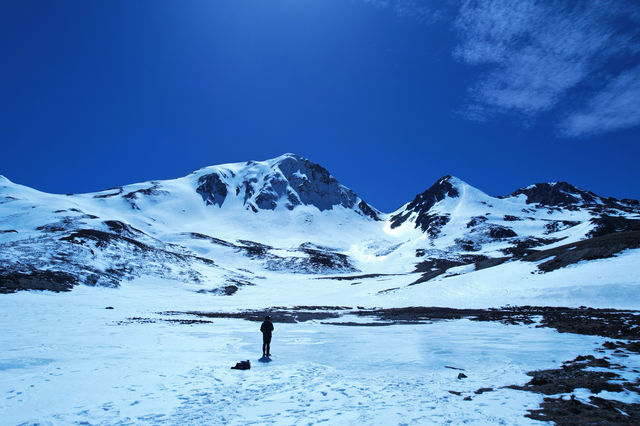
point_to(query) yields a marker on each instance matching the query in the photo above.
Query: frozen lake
(64, 358)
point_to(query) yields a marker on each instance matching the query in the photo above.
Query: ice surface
(64, 358)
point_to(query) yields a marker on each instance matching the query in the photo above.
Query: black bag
(242, 365)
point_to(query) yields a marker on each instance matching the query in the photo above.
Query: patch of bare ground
(141, 320)
(574, 375)
(276, 314)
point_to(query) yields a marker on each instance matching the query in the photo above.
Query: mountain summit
(287, 181)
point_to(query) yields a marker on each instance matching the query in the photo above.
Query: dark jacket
(267, 327)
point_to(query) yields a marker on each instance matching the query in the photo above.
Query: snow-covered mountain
(250, 226)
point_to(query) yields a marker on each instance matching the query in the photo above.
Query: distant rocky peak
(557, 194)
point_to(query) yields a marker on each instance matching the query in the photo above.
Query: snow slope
(286, 227)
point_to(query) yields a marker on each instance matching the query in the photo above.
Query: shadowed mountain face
(212, 189)
(556, 194)
(290, 181)
(232, 223)
(563, 194)
(421, 205)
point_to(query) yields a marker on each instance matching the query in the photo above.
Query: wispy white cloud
(537, 52)
(616, 106)
(536, 56)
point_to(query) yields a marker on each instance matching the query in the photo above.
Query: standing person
(267, 329)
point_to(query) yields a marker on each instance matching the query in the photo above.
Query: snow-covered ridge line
(289, 181)
(232, 227)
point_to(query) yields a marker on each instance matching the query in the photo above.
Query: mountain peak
(288, 180)
(446, 187)
(556, 194)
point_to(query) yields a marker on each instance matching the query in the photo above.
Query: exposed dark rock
(476, 220)
(230, 289)
(101, 238)
(316, 260)
(213, 240)
(574, 375)
(313, 185)
(321, 308)
(274, 187)
(293, 180)
(212, 189)
(482, 390)
(490, 262)
(608, 323)
(556, 194)
(558, 225)
(612, 224)
(509, 218)
(248, 188)
(468, 245)
(432, 224)
(278, 315)
(355, 277)
(227, 290)
(434, 267)
(630, 202)
(57, 281)
(254, 249)
(118, 190)
(462, 376)
(54, 227)
(360, 324)
(123, 229)
(438, 266)
(418, 314)
(141, 320)
(367, 210)
(153, 190)
(524, 246)
(593, 248)
(573, 412)
(565, 195)
(423, 202)
(498, 232)
(596, 322)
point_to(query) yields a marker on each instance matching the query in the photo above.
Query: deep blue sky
(388, 96)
